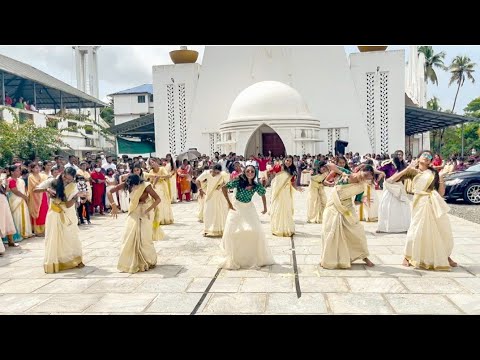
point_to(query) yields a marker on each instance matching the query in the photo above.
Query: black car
(464, 185)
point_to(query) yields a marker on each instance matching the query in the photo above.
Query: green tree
(434, 104)
(473, 108)
(107, 113)
(26, 140)
(461, 68)
(432, 61)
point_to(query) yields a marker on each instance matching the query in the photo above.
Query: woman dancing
(63, 249)
(216, 208)
(429, 242)
(316, 198)
(344, 239)
(394, 211)
(282, 207)
(137, 252)
(243, 241)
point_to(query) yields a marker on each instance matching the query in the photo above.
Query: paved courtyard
(186, 280)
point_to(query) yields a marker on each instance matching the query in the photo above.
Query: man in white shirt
(223, 162)
(108, 164)
(71, 162)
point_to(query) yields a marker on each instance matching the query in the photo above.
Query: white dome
(268, 100)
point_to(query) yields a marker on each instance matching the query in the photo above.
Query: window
(141, 99)
(72, 126)
(89, 143)
(151, 97)
(89, 129)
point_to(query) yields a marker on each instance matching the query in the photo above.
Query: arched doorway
(264, 139)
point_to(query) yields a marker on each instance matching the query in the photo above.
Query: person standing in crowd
(184, 178)
(394, 211)
(137, 252)
(63, 249)
(262, 167)
(71, 162)
(108, 163)
(18, 201)
(172, 181)
(110, 183)
(243, 242)
(37, 203)
(47, 168)
(344, 239)
(159, 179)
(237, 170)
(316, 198)
(98, 185)
(282, 206)
(215, 208)
(429, 242)
(84, 200)
(201, 196)
(7, 225)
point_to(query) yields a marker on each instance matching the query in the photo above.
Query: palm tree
(433, 104)
(432, 60)
(461, 68)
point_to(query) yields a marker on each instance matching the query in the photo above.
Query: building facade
(294, 100)
(132, 103)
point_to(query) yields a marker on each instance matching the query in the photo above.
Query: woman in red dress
(98, 187)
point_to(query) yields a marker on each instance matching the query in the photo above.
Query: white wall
(379, 78)
(321, 74)
(127, 104)
(173, 105)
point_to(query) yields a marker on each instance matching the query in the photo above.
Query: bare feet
(451, 262)
(406, 262)
(81, 265)
(368, 262)
(13, 244)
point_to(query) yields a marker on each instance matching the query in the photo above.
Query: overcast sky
(123, 67)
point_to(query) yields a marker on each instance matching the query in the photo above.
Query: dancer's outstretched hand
(114, 211)
(264, 211)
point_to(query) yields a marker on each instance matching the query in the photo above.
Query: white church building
(287, 100)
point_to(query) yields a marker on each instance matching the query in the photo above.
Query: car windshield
(474, 168)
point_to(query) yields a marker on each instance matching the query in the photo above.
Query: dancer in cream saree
(63, 249)
(429, 242)
(344, 239)
(137, 252)
(316, 198)
(282, 207)
(216, 207)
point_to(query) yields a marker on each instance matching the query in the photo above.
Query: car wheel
(471, 195)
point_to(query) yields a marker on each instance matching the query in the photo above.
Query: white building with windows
(132, 103)
(285, 99)
(52, 98)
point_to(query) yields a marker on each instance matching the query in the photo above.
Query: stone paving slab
(187, 263)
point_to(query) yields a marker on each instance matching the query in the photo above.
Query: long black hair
(12, 168)
(400, 165)
(292, 170)
(60, 187)
(132, 180)
(319, 167)
(243, 180)
(346, 162)
(139, 166)
(172, 163)
(436, 179)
